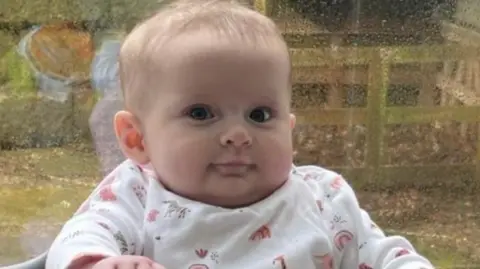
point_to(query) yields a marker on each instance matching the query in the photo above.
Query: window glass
(385, 92)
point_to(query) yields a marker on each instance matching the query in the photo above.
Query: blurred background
(386, 92)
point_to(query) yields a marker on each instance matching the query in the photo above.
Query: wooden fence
(376, 115)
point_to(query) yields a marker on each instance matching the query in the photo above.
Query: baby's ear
(293, 120)
(129, 136)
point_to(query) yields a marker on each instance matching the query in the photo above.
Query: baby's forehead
(177, 32)
(202, 45)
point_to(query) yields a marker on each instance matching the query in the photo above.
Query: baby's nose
(237, 136)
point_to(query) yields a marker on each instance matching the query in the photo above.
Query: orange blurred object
(62, 51)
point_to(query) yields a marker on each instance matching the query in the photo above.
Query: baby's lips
(198, 266)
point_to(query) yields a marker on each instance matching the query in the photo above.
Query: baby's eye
(260, 114)
(200, 112)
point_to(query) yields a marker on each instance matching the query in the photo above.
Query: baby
(209, 180)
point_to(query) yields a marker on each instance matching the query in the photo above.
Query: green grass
(36, 212)
(441, 256)
(40, 189)
(44, 183)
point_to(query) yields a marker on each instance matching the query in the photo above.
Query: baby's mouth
(233, 169)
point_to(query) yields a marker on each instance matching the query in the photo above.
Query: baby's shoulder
(315, 174)
(321, 181)
(126, 177)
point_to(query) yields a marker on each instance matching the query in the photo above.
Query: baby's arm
(357, 241)
(110, 226)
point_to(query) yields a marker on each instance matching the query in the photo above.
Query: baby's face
(220, 132)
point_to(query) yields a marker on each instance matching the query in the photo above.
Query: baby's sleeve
(357, 241)
(108, 224)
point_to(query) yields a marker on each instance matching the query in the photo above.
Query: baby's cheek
(180, 168)
(279, 151)
(278, 164)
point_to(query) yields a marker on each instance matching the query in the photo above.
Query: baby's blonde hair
(227, 18)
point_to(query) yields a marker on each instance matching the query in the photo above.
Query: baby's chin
(236, 193)
(233, 202)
